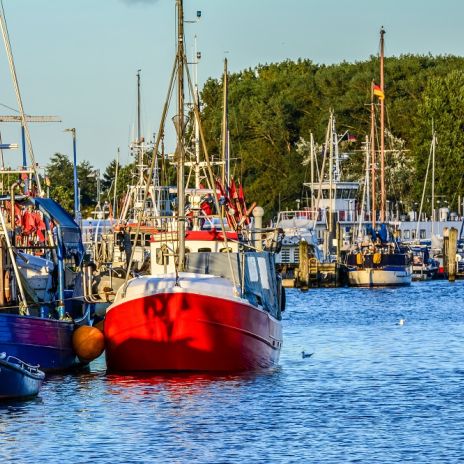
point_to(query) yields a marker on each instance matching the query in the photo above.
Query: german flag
(378, 92)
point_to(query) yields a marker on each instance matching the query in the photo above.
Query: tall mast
(383, 198)
(138, 107)
(196, 122)
(367, 180)
(374, 211)
(138, 142)
(180, 126)
(313, 206)
(331, 159)
(24, 126)
(225, 130)
(434, 141)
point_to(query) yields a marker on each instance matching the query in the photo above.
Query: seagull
(401, 322)
(306, 355)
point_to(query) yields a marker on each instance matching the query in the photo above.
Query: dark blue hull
(17, 380)
(38, 341)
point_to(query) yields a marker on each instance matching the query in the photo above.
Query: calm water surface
(373, 391)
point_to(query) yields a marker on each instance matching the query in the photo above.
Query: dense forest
(274, 108)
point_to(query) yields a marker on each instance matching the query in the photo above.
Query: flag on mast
(378, 92)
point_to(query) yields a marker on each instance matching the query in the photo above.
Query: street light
(76, 188)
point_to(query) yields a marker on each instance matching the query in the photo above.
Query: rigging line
(394, 186)
(6, 40)
(9, 107)
(423, 190)
(210, 172)
(321, 174)
(456, 191)
(150, 172)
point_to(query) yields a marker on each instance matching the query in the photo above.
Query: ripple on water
(373, 391)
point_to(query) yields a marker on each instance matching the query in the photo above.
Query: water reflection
(176, 385)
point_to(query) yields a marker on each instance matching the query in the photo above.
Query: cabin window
(413, 234)
(406, 234)
(252, 269)
(422, 233)
(263, 272)
(204, 250)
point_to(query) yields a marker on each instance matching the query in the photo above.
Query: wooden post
(445, 249)
(452, 249)
(303, 267)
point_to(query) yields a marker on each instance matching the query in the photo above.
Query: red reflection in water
(176, 385)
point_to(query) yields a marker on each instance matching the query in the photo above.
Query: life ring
(6, 286)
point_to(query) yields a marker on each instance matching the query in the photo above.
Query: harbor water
(374, 390)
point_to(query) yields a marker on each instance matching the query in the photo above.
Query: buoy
(88, 343)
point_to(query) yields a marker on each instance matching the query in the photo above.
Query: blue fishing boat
(18, 380)
(42, 299)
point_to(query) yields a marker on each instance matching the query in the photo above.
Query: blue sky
(78, 59)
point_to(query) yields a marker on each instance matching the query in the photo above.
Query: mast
(331, 159)
(138, 106)
(115, 215)
(374, 211)
(138, 142)
(434, 141)
(313, 206)
(24, 125)
(225, 130)
(365, 194)
(180, 134)
(196, 124)
(367, 180)
(382, 132)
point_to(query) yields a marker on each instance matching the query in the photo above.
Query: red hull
(190, 332)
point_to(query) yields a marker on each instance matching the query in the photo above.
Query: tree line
(273, 109)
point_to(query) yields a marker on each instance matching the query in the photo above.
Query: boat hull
(184, 331)
(38, 341)
(17, 382)
(380, 277)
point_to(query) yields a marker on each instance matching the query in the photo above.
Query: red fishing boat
(221, 314)
(213, 299)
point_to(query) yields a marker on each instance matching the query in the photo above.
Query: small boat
(423, 265)
(18, 380)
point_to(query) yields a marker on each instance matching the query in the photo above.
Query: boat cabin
(163, 247)
(342, 201)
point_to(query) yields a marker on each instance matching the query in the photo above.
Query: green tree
(60, 173)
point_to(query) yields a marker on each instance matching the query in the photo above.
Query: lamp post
(76, 188)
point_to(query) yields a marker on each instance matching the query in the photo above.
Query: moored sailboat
(379, 260)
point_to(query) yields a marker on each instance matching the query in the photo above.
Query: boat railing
(20, 363)
(319, 215)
